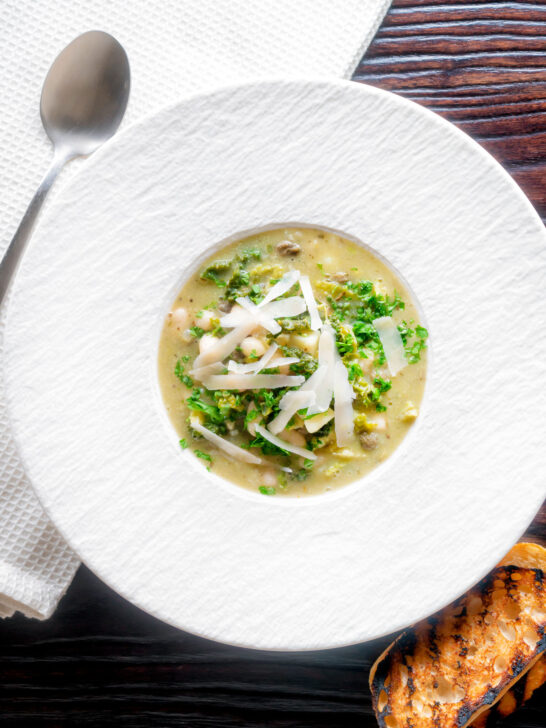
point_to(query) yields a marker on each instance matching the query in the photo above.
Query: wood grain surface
(100, 661)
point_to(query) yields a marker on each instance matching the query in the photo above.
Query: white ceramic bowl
(82, 339)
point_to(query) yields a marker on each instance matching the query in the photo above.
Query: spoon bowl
(85, 92)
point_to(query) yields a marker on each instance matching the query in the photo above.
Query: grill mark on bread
(443, 654)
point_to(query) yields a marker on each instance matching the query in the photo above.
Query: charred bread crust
(446, 670)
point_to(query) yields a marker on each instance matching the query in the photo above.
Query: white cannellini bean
(252, 345)
(180, 319)
(268, 477)
(206, 341)
(205, 322)
(294, 438)
(307, 342)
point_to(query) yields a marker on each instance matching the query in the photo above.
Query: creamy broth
(338, 271)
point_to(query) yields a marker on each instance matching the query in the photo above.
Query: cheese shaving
(304, 397)
(224, 346)
(343, 405)
(285, 307)
(283, 361)
(289, 405)
(327, 357)
(252, 381)
(310, 302)
(245, 311)
(279, 442)
(236, 452)
(260, 317)
(266, 358)
(255, 366)
(282, 286)
(392, 343)
(202, 372)
(316, 422)
(238, 368)
(315, 381)
(236, 317)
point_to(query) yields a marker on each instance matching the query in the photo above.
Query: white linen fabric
(175, 47)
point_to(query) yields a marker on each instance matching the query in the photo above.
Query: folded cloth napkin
(175, 47)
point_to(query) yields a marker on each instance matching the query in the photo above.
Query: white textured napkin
(174, 47)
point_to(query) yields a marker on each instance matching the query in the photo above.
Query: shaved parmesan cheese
(266, 358)
(279, 442)
(335, 382)
(343, 405)
(392, 343)
(260, 317)
(303, 398)
(264, 316)
(224, 346)
(310, 302)
(315, 381)
(285, 307)
(228, 447)
(282, 286)
(236, 317)
(252, 381)
(238, 368)
(254, 366)
(202, 372)
(327, 357)
(246, 303)
(289, 405)
(314, 423)
(283, 361)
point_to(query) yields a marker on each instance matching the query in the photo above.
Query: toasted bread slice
(517, 696)
(526, 555)
(448, 669)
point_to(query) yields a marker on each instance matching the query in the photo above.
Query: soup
(293, 362)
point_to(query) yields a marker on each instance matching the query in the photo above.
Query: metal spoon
(84, 97)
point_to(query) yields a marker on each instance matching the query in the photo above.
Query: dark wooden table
(100, 661)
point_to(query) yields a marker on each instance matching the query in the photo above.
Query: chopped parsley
(214, 419)
(203, 456)
(380, 387)
(211, 273)
(355, 370)
(179, 374)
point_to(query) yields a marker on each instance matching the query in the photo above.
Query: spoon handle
(16, 248)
